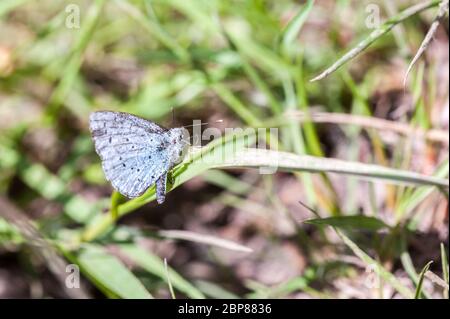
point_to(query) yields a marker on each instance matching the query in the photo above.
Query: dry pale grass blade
(40, 245)
(436, 279)
(169, 282)
(204, 239)
(443, 11)
(432, 135)
(375, 35)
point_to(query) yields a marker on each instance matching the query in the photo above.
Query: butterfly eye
(180, 153)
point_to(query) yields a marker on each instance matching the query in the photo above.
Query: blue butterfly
(136, 153)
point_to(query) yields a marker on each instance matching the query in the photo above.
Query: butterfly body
(136, 153)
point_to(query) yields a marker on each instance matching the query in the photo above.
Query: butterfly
(136, 153)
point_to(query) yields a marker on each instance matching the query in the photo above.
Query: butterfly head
(179, 142)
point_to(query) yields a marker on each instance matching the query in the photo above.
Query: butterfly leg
(161, 189)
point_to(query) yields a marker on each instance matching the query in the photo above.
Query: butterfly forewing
(129, 147)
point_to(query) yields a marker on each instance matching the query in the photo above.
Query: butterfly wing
(129, 147)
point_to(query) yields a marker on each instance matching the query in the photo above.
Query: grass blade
(70, 72)
(294, 26)
(421, 277)
(351, 222)
(443, 11)
(375, 35)
(154, 265)
(379, 269)
(169, 282)
(253, 157)
(227, 153)
(444, 269)
(204, 239)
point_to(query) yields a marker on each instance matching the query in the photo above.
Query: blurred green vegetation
(248, 63)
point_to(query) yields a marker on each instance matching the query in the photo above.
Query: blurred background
(224, 233)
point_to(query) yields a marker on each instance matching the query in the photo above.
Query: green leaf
(109, 274)
(353, 222)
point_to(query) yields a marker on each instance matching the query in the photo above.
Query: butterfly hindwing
(129, 147)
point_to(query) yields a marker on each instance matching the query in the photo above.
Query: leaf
(109, 273)
(353, 222)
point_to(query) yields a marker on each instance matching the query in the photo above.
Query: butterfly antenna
(173, 116)
(201, 124)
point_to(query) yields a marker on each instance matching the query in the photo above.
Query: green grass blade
(350, 222)
(411, 271)
(290, 33)
(154, 29)
(375, 35)
(421, 277)
(116, 198)
(235, 104)
(70, 72)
